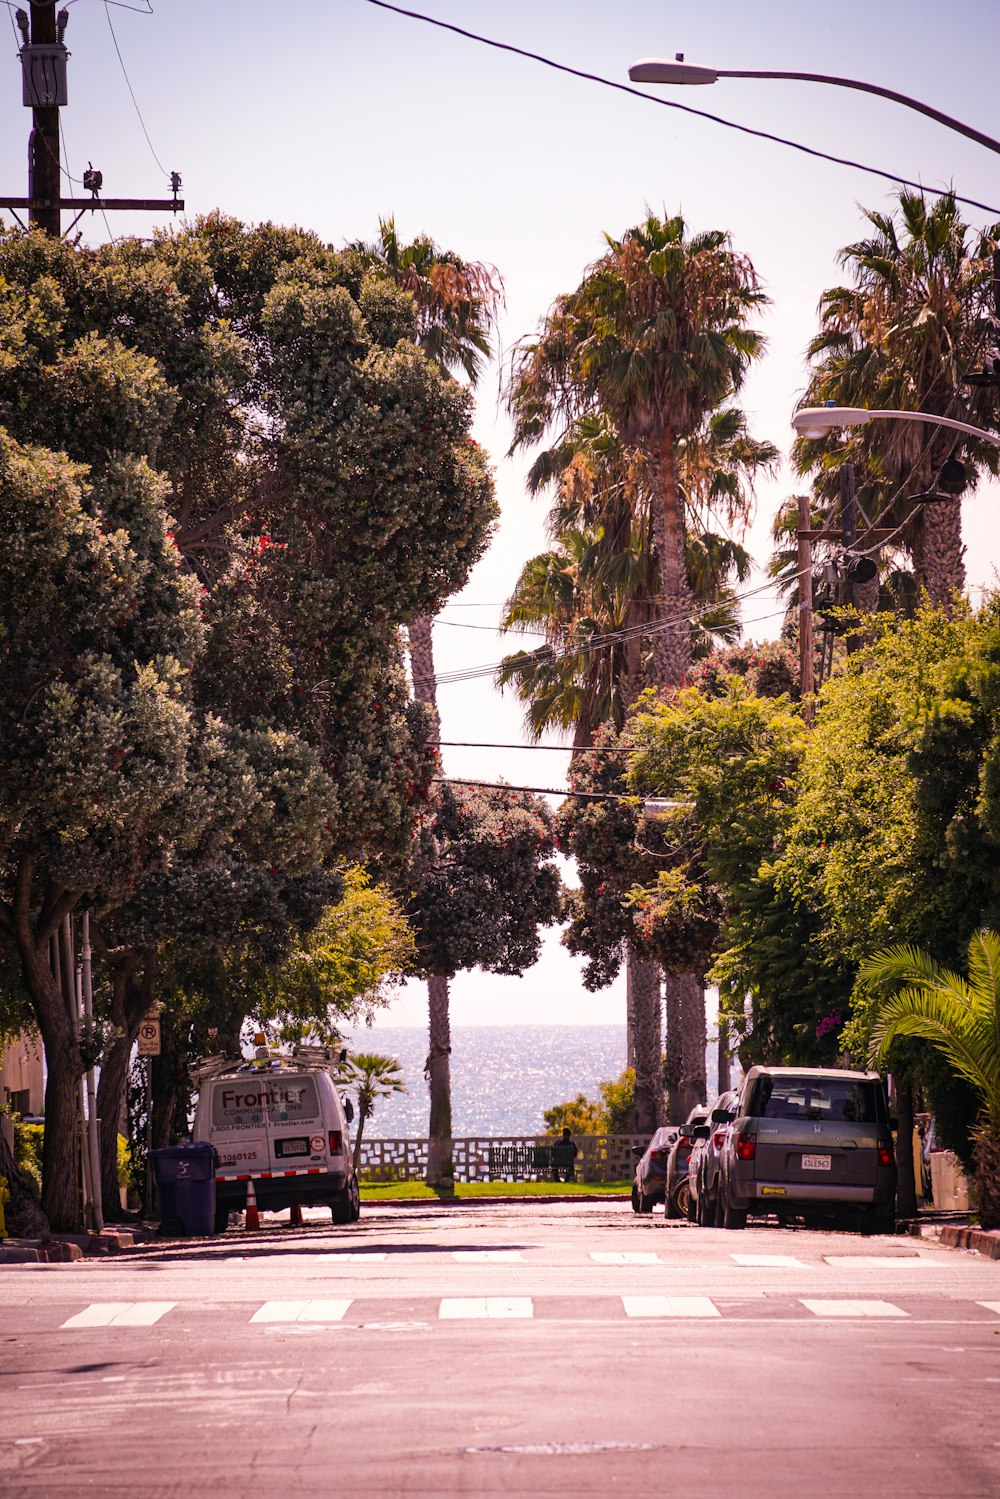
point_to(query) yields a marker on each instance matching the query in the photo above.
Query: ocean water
(503, 1077)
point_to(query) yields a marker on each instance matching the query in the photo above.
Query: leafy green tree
(960, 1017)
(373, 1076)
(580, 1115)
(484, 884)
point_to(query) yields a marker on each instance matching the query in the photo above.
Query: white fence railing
(600, 1158)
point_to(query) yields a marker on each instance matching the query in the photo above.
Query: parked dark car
(703, 1165)
(675, 1202)
(649, 1183)
(810, 1142)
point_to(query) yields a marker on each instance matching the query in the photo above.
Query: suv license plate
(817, 1162)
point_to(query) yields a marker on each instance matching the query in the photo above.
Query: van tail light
(885, 1156)
(746, 1150)
(336, 1142)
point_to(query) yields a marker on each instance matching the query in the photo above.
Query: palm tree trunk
(938, 553)
(906, 1186)
(648, 1102)
(440, 1168)
(674, 1049)
(986, 1154)
(437, 1070)
(694, 1040)
(671, 644)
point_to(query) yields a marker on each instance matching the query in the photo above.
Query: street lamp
(659, 70)
(817, 421)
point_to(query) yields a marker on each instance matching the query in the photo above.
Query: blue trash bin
(185, 1183)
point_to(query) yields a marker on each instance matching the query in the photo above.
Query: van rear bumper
(276, 1192)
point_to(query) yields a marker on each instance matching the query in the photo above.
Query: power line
(590, 796)
(128, 81)
(624, 88)
(562, 749)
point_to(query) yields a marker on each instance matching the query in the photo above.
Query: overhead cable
(625, 88)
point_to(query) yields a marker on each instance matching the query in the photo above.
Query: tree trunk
(937, 552)
(130, 1001)
(906, 1187)
(694, 1040)
(725, 1072)
(986, 1154)
(674, 603)
(437, 1070)
(630, 963)
(24, 1218)
(674, 1049)
(648, 1110)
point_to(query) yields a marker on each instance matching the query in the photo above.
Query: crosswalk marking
(453, 1307)
(300, 1311)
(775, 1260)
(492, 1256)
(354, 1255)
(880, 1261)
(120, 1314)
(848, 1308)
(670, 1306)
(619, 1257)
(991, 1306)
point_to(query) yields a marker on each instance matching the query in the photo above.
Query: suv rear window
(840, 1100)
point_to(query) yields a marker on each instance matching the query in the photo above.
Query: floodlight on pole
(660, 70)
(817, 421)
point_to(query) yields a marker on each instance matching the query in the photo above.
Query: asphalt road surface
(519, 1349)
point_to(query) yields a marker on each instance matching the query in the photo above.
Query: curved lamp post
(659, 70)
(817, 421)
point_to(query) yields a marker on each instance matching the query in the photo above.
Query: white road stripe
(300, 1311)
(670, 1306)
(493, 1256)
(881, 1261)
(354, 1254)
(120, 1314)
(847, 1308)
(765, 1260)
(991, 1306)
(620, 1258)
(453, 1307)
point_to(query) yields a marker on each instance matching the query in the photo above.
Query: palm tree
(456, 303)
(655, 337)
(961, 1018)
(905, 336)
(373, 1077)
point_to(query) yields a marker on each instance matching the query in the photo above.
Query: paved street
(518, 1349)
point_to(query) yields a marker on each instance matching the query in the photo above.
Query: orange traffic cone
(252, 1215)
(296, 1214)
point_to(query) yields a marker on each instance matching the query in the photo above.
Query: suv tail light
(885, 1155)
(746, 1150)
(658, 1155)
(336, 1142)
(719, 1138)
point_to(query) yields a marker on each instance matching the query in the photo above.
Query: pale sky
(328, 113)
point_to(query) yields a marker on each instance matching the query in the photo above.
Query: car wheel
(682, 1196)
(880, 1222)
(731, 1217)
(221, 1222)
(693, 1206)
(636, 1199)
(347, 1207)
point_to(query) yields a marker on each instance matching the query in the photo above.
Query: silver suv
(808, 1141)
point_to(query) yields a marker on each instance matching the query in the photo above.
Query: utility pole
(44, 90)
(43, 63)
(807, 682)
(849, 537)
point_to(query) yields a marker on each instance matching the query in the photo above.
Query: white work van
(281, 1123)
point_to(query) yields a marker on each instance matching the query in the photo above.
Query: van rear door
(296, 1132)
(239, 1125)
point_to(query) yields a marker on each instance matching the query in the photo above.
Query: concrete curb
(66, 1247)
(982, 1240)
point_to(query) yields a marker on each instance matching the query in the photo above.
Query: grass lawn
(394, 1191)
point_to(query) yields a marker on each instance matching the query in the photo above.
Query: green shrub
(28, 1154)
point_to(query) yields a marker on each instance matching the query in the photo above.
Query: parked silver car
(808, 1141)
(675, 1202)
(649, 1183)
(703, 1166)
